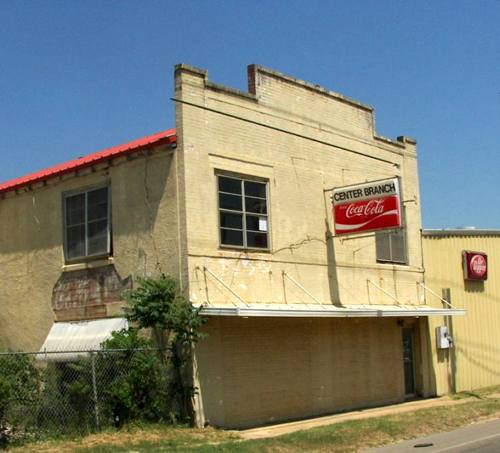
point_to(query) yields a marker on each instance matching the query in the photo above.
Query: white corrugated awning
(69, 338)
(327, 311)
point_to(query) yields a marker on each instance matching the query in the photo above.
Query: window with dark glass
(243, 216)
(86, 223)
(391, 246)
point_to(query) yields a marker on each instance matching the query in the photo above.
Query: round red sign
(477, 265)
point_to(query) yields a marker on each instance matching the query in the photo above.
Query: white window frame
(243, 212)
(86, 191)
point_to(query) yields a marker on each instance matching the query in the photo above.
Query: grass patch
(348, 436)
(130, 437)
(477, 393)
(465, 395)
(488, 391)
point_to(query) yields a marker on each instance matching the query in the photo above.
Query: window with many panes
(391, 246)
(87, 224)
(243, 212)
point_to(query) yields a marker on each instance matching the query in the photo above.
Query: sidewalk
(290, 427)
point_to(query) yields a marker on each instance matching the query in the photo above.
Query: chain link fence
(80, 392)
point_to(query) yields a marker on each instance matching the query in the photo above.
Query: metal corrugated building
(474, 361)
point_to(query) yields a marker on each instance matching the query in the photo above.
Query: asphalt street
(478, 438)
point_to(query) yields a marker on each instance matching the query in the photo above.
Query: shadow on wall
(333, 280)
(426, 341)
(483, 356)
(473, 286)
(490, 368)
(470, 286)
(139, 202)
(475, 354)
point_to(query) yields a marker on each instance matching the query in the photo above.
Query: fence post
(94, 388)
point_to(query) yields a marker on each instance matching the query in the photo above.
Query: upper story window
(391, 246)
(86, 224)
(243, 213)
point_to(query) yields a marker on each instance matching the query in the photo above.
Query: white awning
(327, 311)
(69, 338)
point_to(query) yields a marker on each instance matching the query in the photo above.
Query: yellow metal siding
(475, 360)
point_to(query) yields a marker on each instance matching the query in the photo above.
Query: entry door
(409, 362)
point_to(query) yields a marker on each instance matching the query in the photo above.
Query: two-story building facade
(236, 203)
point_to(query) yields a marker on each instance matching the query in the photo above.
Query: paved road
(479, 438)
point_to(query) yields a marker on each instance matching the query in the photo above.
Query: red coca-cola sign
(366, 207)
(475, 265)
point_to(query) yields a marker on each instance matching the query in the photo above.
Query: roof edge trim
(461, 232)
(168, 136)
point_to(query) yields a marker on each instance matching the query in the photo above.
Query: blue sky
(76, 77)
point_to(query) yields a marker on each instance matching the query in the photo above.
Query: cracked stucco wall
(145, 241)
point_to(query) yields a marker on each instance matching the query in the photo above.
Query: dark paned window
(87, 226)
(391, 246)
(243, 213)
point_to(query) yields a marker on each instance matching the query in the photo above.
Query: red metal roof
(168, 136)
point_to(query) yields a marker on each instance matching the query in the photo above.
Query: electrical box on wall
(444, 340)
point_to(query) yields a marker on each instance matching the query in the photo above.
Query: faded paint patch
(84, 294)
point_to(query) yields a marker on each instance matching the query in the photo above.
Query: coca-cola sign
(367, 207)
(475, 265)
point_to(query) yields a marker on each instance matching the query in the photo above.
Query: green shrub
(19, 390)
(157, 304)
(135, 383)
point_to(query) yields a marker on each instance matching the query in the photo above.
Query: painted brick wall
(263, 370)
(295, 136)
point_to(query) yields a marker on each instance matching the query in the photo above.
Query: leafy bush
(67, 401)
(157, 304)
(135, 381)
(133, 378)
(19, 387)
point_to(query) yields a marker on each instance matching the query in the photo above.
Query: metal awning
(71, 339)
(326, 311)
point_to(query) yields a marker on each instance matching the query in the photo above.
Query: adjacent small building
(461, 265)
(281, 212)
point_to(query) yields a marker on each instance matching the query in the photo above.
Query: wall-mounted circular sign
(478, 265)
(475, 265)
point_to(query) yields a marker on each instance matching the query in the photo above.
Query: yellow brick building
(311, 322)
(236, 203)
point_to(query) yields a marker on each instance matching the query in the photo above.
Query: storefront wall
(264, 370)
(301, 141)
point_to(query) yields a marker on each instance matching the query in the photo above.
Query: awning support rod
(437, 295)
(387, 294)
(206, 269)
(302, 288)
